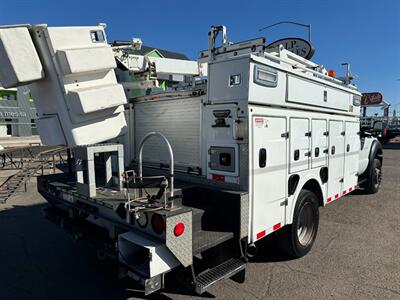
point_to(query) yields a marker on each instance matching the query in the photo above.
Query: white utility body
(305, 122)
(255, 143)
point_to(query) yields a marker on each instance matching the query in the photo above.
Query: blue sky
(364, 33)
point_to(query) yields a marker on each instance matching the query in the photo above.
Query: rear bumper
(146, 256)
(140, 257)
(143, 252)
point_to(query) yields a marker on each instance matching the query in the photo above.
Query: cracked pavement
(356, 255)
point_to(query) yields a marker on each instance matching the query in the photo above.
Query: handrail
(171, 157)
(296, 66)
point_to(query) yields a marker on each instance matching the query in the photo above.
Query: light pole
(397, 104)
(293, 23)
(395, 109)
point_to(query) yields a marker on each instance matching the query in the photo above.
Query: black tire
(298, 238)
(374, 177)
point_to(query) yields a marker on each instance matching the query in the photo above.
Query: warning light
(331, 73)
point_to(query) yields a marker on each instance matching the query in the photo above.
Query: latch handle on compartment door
(262, 157)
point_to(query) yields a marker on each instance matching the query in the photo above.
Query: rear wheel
(298, 238)
(374, 178)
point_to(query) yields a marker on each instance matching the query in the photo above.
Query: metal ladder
(14, 182)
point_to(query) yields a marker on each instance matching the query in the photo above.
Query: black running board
(227, 269)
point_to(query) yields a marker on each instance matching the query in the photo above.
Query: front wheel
(374, 178)
(298, 238)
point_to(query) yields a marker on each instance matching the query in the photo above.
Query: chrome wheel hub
(305, 225)
(378, 177)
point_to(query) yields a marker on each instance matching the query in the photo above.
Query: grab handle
(171, 157)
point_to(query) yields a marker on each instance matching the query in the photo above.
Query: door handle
(262, 158)
(348, 148)
(333, 150)
(296, 154)
(316, 152)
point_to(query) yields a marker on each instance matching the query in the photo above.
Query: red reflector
(179, 229)
(336, 196)
(276, 226)
(344, 192)
(329, 199)
(350, 189)
(218, 177)
(260, 234)
(356, 186)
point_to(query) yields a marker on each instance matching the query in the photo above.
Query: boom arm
(161, 65)
(70, 73)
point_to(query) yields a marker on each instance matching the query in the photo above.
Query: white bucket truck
(213, 168)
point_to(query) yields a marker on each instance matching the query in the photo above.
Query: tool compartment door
(351, 156)
(336, 159)
(269, 174)
(299, 144)
(319, 143)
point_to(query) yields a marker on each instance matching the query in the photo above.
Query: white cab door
(269, 170)
(336, 160)
(352, 150)
(299, 144)
(319, 143)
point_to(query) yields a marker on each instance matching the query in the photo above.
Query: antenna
(349, 76)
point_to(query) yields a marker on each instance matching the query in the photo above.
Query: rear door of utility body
(336, 160)
(269, 170)
(351, 157)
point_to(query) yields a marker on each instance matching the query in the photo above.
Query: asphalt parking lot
(356, 255)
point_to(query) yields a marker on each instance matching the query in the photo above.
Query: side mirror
(378, 126)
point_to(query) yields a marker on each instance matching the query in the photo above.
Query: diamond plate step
(225, 270)
(204, 239)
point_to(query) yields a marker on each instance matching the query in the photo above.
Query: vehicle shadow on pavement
(268, 250)
(39, 260)
(391, 146)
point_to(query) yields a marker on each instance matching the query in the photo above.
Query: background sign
(371, 99)
(298, 46)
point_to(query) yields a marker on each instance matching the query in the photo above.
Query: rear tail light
(179, 229)
(218, 177)
(158, 224)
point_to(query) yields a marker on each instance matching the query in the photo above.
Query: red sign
(371, 99)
